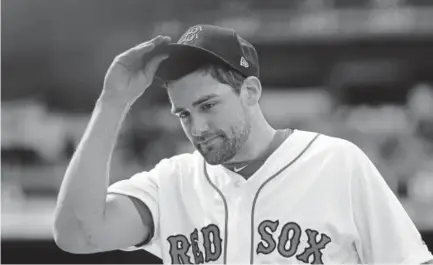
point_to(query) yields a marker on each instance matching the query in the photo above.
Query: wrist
(112, 104)
(111, 101)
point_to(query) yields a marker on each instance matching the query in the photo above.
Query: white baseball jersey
(316, 199)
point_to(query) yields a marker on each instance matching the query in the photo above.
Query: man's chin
(210, 158)
(215, 158)
(212, 162)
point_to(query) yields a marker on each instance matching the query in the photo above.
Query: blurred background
(361, 70)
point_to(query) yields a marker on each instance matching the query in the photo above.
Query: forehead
(194, 86)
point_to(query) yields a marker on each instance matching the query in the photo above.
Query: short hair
(222, 73)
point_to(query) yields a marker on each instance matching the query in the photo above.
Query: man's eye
(183, 115)
(207, 106)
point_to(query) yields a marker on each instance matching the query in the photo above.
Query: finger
(134, 55)
(157, 40)
(149, 45)
(145, 46)
(153, 64)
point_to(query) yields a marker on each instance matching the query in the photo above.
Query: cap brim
(183, 59)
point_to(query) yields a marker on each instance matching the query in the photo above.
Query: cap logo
(244, 62)
(190, 36)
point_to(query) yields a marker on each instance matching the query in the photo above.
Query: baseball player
(248, 194)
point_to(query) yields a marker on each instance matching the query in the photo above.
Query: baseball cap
(202, 44)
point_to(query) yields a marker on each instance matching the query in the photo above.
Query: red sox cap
(202, 44)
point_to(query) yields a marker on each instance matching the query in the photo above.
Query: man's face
(212, 115)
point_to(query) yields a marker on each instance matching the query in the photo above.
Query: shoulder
(166, 171)
(335, 150)
(179, 164)
(332, 144)
(177, 161)
(346, 152)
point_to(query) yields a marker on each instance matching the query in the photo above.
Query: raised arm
(86, 219)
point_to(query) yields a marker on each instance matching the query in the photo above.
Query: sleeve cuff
(144, 212)
(150, 205)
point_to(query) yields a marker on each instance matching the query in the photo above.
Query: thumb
(153, 64)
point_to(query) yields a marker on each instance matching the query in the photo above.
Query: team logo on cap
(190, 36)
(244, 63)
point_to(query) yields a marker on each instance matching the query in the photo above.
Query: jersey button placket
(239, 225)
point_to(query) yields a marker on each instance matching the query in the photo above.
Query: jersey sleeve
(144, 187)
(386, 232)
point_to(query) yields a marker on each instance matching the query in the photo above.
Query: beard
(225, 145)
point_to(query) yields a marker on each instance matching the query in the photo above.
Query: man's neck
(257, 143)
(248, 168)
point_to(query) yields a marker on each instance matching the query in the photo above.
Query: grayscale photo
(217, 132)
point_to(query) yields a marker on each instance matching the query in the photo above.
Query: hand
(129, 76)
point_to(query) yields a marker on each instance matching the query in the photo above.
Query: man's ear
(251, 90)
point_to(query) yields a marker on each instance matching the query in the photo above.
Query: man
(248, 194)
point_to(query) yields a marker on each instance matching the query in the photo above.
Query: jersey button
(238, 184)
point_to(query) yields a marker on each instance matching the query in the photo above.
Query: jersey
(316, 199)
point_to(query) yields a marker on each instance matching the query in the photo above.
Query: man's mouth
(207, 141)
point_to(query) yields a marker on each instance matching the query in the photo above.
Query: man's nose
(199, 126)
